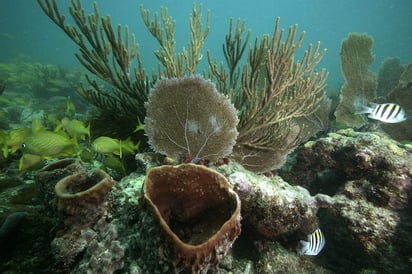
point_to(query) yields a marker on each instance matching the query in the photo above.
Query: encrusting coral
(94, 249)
(198, 212)
(369, 177)
(271, 207)
(187, 119)
(81, 197)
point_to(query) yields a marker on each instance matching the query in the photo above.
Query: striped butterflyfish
(387, 113)
(315, 243)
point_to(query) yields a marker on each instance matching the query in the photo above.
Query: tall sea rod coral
(270, 90)
(112, 55)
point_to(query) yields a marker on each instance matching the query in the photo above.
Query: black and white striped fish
(387, 113)
(316, 241)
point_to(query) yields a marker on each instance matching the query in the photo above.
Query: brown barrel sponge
(47, 177)
(81, 197)
(198, 212)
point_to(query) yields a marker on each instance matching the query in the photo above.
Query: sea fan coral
(188, 118)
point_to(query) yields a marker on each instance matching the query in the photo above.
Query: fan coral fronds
(187, 117)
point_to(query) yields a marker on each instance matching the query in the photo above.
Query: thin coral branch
(163, 30)
(197, 38)
(274, 89)
(107, 53)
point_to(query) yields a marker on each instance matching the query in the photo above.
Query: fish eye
(23, 145)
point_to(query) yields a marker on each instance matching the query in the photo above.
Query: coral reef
(126, 88)
(24, 225)
(271, 207)
(276, 259)
(355, 186)
(360, 83)
(47, 177)
(401, 94)
(406, 77)
(187, 119)
(268, 101)
(104, 253)
(11, 222)
(42, 80)
(198, 213)
(96, 249)
(102, 246)
(369, 177)
(83, 194)
(3, 85)
(388, 77)
(360, 185)
(177, 64)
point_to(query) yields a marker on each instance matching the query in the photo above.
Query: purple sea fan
(188, 119)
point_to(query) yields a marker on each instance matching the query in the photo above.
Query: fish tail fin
(120, 149)
(75, 141)
(88, 131)
(5, 151)
(305, 246)
(58, 127)
(137, 146)
(360, 107)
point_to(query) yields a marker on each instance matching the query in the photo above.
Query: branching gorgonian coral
(270, 90)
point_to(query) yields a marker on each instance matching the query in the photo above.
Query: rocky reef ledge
(368, 175)
(354, 186)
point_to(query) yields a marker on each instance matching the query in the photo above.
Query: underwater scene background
(205, 137)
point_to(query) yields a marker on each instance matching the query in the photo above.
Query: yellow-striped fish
(47, 143)
(129, 147)
(74, 128)
(70, 108)
(16, 137)
(315, 243)
(30, 161)
(107, 145)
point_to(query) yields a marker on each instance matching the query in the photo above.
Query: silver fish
(387, 113)
(316, 242)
